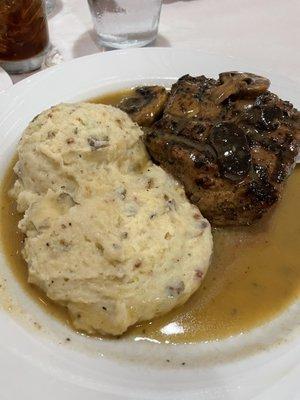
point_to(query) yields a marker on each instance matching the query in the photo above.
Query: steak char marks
(230, 142)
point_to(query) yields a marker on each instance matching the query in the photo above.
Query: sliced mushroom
(256, 84)
(230, 144)
(145, 105)
(245, 84)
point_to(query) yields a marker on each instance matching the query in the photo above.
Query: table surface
(266, 32)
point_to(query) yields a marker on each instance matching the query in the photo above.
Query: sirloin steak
(230, 142)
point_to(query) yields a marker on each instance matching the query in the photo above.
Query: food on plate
(109, 234)
(146, 104)
(68, 146)
(230, 142)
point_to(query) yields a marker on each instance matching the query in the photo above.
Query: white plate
(5, 81)
(41, 364)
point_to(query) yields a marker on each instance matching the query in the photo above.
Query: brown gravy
(254, 274)
(11, 239)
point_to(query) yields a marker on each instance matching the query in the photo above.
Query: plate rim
(40, 75)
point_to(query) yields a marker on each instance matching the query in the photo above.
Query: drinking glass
(125, 23)
(50, 6)
(24, 35)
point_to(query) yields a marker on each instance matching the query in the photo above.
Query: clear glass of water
(125, 23)
(50, 5)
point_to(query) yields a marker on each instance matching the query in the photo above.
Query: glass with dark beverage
(24, 35)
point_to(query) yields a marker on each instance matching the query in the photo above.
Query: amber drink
(24, 35)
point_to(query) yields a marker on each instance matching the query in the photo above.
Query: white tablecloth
(266, 32)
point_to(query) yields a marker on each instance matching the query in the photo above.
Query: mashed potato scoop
(109, 235)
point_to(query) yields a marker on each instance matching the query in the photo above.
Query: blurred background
(264, 32)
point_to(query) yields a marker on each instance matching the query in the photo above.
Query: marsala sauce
(254, 274)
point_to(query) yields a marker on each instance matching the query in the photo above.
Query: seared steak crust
(231, 143)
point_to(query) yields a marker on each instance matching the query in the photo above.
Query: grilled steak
(230, 141)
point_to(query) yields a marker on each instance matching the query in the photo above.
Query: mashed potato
(70, 146)
(109, 234)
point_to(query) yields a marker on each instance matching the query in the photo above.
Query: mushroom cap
(245, 84)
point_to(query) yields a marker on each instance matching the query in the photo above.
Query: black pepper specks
(51, 134)
(171, 205)
(150, 184)
(121, 193)
(81, 121)
(99, 247)
(176, 290)
(137, 264)
(70, 141)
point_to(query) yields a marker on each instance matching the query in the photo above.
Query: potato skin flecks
(91, 243)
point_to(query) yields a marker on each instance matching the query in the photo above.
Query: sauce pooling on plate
(254, 274)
